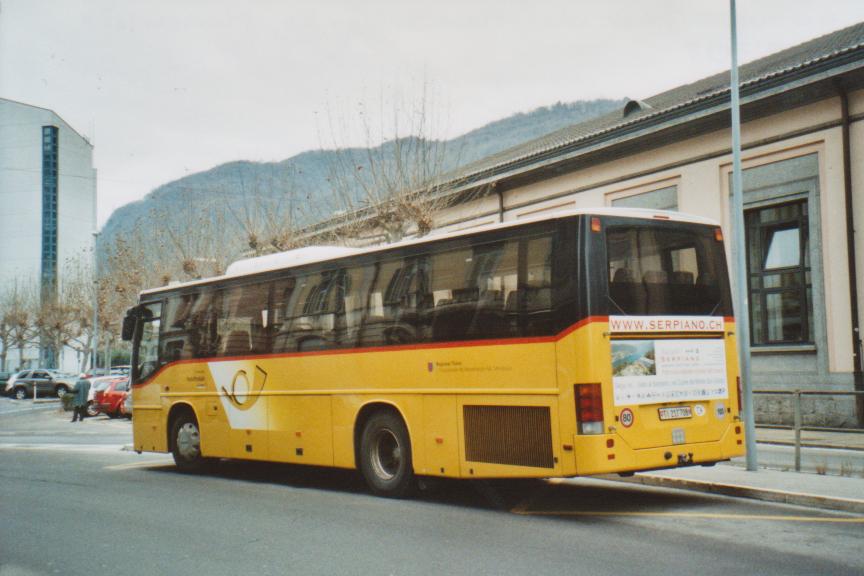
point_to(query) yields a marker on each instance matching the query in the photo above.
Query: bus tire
(186, 444)
(385, 455)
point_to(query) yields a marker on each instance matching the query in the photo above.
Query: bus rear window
(666, 270)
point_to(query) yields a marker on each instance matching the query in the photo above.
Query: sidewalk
(810, 490)
(802, 489)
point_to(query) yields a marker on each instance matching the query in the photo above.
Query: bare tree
(52, 321)
(391, 186)
(266, 209)
(5, 326)
(196, 241)
(20, 305)
(77, 295)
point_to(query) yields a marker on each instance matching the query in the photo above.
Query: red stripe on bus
(398, 348)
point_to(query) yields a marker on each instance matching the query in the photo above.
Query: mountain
(299, 186)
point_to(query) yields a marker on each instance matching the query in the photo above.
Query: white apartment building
(47, 202)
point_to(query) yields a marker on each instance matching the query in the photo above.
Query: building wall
(77, 214)
(795, 156)
(21, 198)
(20, 190)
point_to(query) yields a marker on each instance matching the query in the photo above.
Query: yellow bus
(585, 342)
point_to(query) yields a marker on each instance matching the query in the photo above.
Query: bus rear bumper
(609, 454)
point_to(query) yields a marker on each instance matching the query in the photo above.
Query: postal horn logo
(242, 393)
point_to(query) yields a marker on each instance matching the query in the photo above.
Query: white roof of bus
(313, 254)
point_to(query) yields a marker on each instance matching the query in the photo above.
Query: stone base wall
(830, 411)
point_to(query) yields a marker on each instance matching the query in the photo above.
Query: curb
(795, 498)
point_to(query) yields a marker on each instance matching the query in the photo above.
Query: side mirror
(128, 330)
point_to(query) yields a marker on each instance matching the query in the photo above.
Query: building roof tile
(753, 73)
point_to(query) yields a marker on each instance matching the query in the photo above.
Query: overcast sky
(165, 88)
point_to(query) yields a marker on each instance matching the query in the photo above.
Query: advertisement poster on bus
(657, 371)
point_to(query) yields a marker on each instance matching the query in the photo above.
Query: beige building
(803, 154)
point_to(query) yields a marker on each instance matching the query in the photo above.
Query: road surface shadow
(565, 498)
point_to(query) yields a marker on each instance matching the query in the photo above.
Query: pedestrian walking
(79, 403)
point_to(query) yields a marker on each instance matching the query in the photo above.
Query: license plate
(676, 413)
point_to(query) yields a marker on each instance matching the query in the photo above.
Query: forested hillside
(224, 200)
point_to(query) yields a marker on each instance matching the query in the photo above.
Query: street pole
(95, 345)
(739, 251)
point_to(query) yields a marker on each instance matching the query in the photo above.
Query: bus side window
(311, 314)
(175, 342)
(298, 326)
(537, 286)
(495, 274)
(356, 285)
(241, 320)
(454, 299)
(283, 301)
(147, 359)
(474, 291)
(203, 334)
(394, 303)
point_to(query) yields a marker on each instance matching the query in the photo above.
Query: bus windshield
(657, 269)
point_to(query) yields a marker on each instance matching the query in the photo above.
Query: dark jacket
(82, 390)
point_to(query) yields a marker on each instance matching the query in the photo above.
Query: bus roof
(315, 254)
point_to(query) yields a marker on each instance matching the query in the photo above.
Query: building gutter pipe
(850, 250)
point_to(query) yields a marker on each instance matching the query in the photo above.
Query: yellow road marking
(520, 510)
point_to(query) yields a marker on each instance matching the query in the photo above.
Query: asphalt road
(72, 502)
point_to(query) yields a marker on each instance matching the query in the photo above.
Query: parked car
(122, 370)
(98, 386)
(45, 381)
(111, 398)
(126, 406)
(10, 382)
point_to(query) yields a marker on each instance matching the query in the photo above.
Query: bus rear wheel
(385, 456)
(186, 444)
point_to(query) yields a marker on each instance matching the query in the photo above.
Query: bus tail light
(718, 234)
(589, 408)
(595, 224)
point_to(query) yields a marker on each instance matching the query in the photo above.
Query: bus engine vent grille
(515, 435)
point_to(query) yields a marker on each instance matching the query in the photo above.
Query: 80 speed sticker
(626, 417)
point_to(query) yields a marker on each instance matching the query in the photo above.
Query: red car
(111, 399)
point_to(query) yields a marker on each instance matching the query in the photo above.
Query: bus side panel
(441, 436)
(215, 431)
(148, 423)
(577, 355)
(196, 383)
(301, 429)
(344, 413)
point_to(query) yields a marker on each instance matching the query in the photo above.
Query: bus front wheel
(186, 444)
(385, 455)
